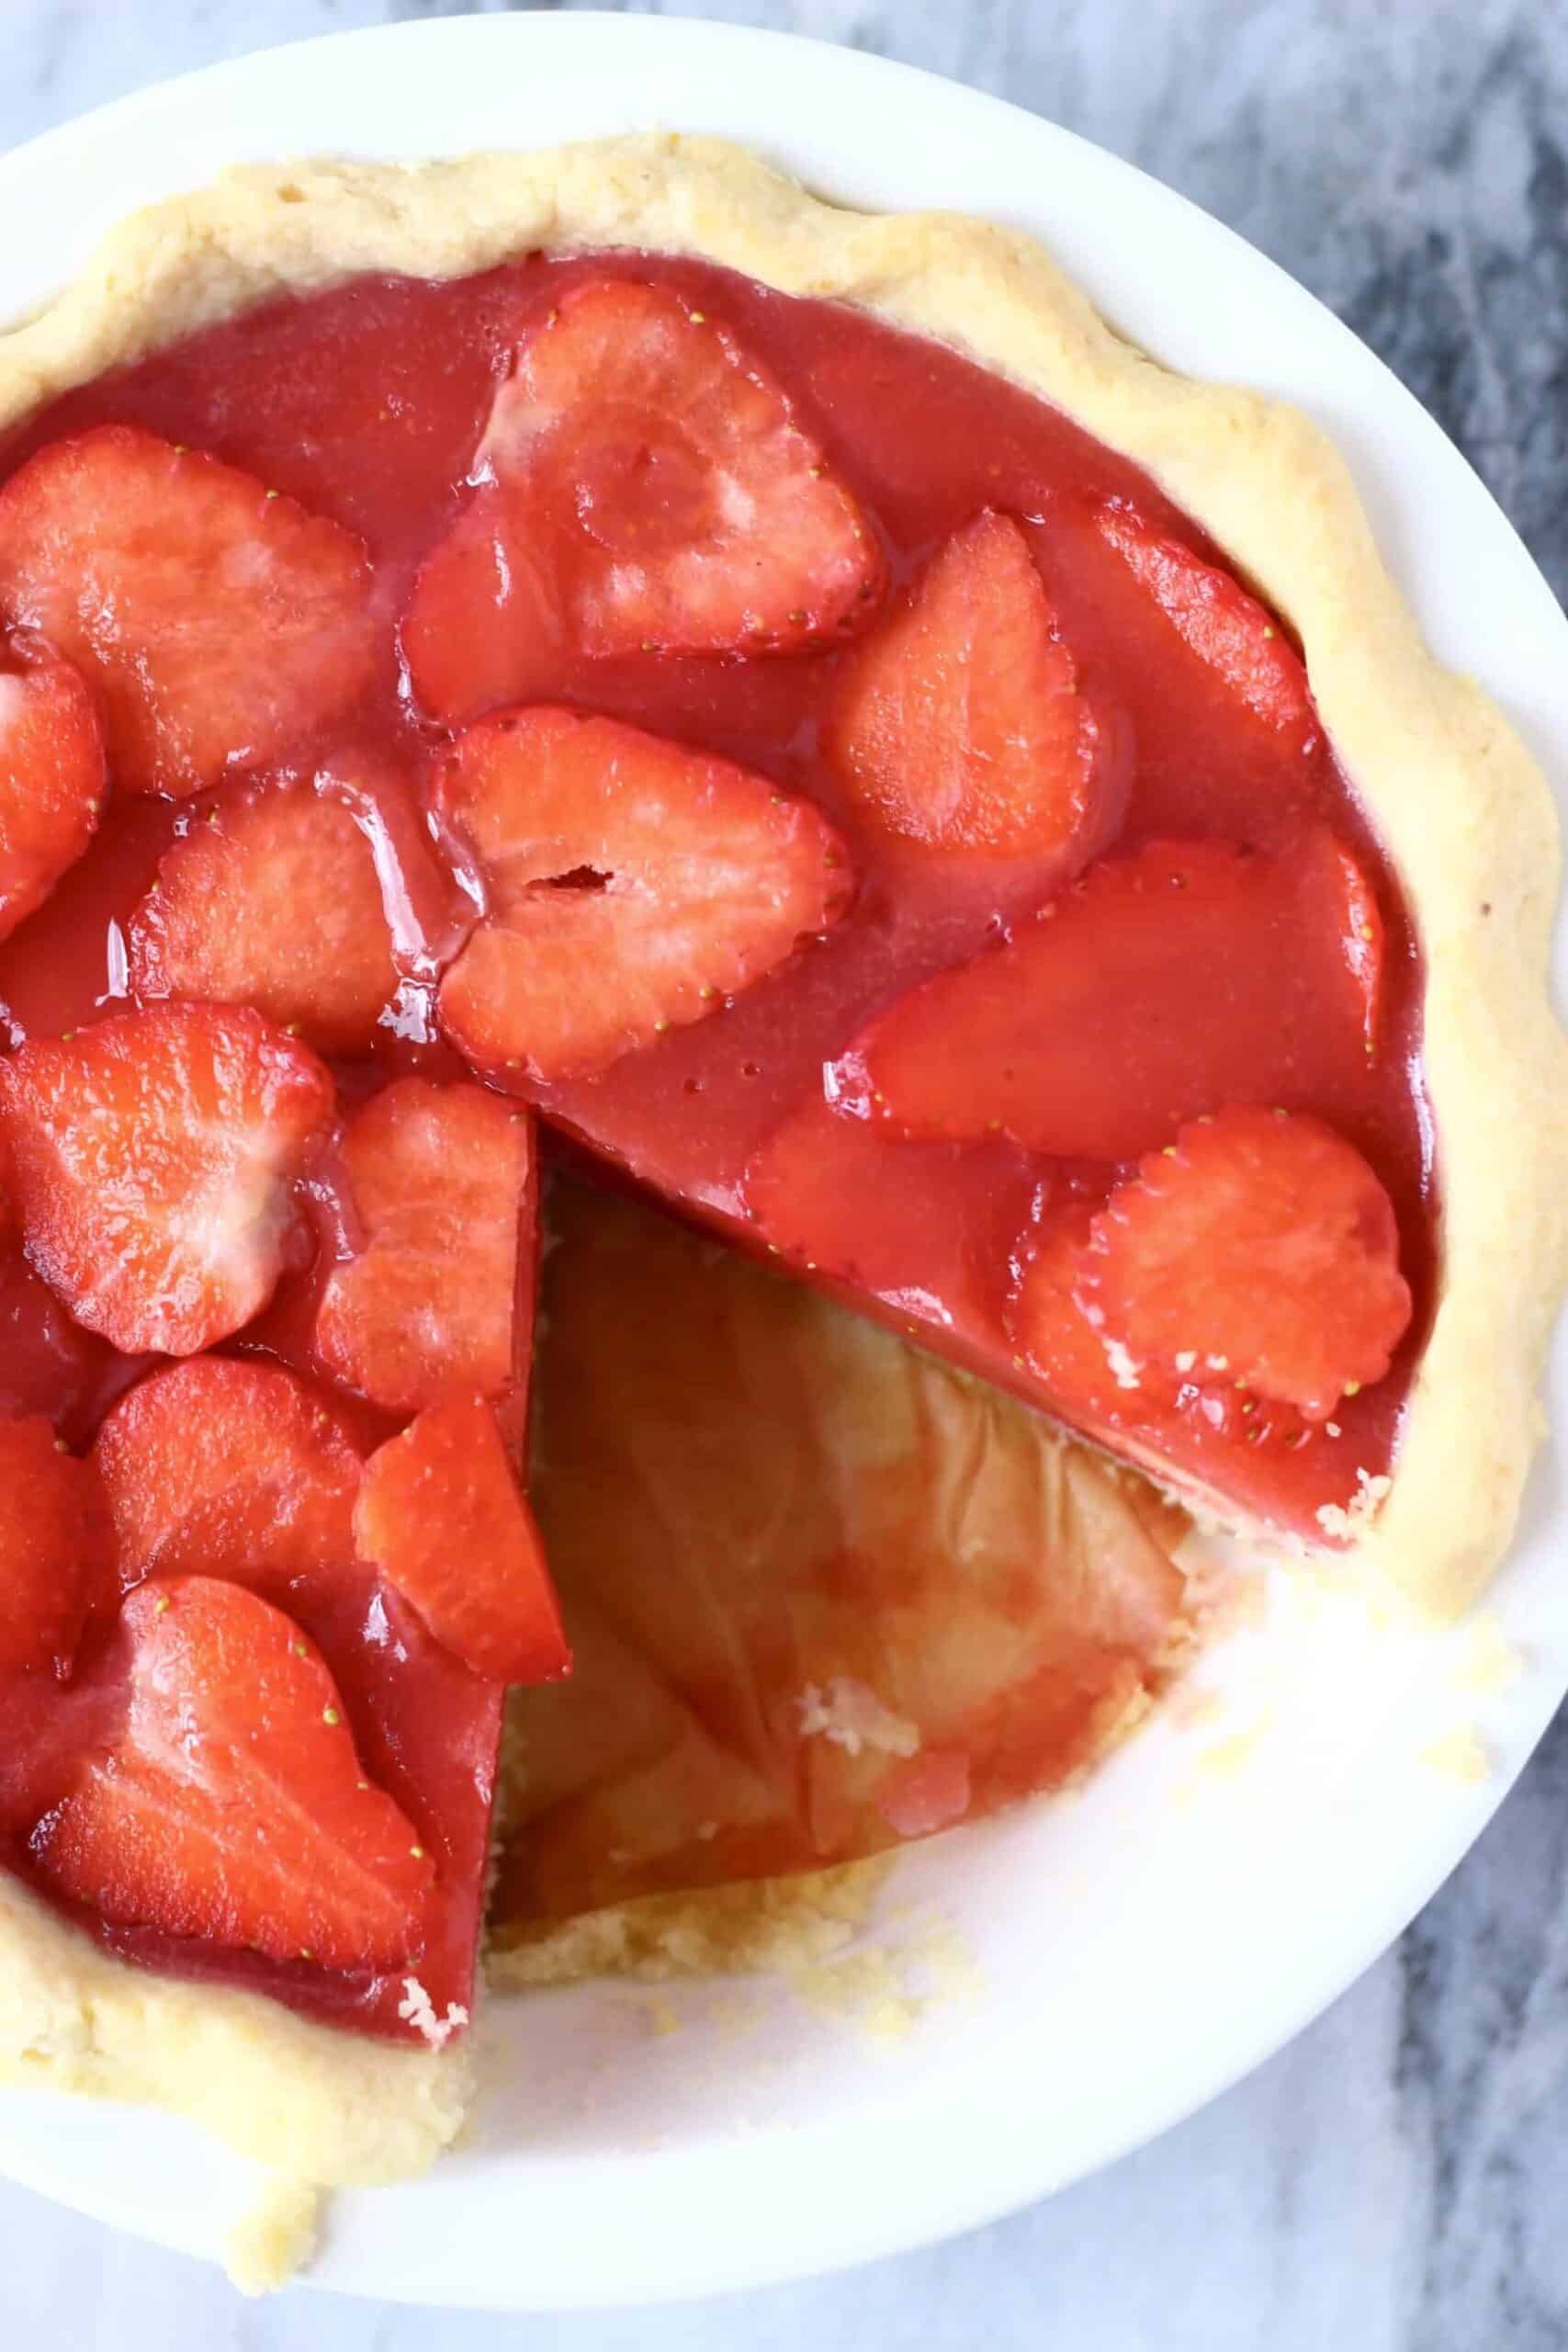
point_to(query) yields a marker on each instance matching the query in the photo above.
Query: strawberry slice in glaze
(1185, 1420)
(846, 1199)
(233, 1807)
(228, 1467)
(435, 1206)
(1259, 1246)
(273, 902)
(218, 621)
(1229, 631)
(53, 776)
(54, 1548)
(49, 1362)
(1050, 1328)
(1354, 923)
(443, 1518)
(631, 885)
(642, 486)
(151, 1160)
(1188, 975)
(961, 726)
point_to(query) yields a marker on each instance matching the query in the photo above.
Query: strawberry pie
(599, 663)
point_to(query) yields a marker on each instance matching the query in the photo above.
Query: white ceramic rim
(948, 2144)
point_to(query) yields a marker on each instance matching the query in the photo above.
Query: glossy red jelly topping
(822, 1111)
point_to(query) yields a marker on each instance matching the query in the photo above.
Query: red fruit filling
(52, 778)
(641, 486)
(433, 1240)
(912, 830)
(673, 879)
(1216, 618)
(229, 1468)
(54, 1549)
(217, 621)
(1259, 1245)
(962, 726)
(442, 1516)
(151, 1158)
(1192, 974)
(809, 1187)
(273, 902)
(233, 1807)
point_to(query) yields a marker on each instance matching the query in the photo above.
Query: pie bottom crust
(1455, 797)
(302, 2100)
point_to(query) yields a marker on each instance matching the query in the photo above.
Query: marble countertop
(1396, 2180)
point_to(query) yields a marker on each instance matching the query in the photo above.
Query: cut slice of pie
(791, 700)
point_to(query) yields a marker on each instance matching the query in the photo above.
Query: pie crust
(300, 2098)
(1458, 803)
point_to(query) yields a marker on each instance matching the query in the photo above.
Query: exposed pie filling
(839, 795)
(823, 1592)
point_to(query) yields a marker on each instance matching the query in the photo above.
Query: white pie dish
(724, 2158)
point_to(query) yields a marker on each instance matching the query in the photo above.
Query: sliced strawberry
(51, 774)
(152, 1156)
(49, 1364)
(1351, 902)
(1213, 615)
(844, 1196)
(1048, 1324)
(1186, 1420)
(443, 1518)
(273, 902)
(644, 486)
(1191, 974)
(217, 620)
(1259, 1244)
(960, 725)
(438, 1188)
(631, 885)
(54, 1547)
(228, 1468)
(233, 1807)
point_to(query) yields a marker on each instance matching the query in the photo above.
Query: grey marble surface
(1396, 2180)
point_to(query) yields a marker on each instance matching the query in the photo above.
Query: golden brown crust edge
(1462, 807)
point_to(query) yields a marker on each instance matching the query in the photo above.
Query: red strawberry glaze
(367, 405)
(425, 1729)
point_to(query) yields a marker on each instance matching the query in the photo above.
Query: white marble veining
(1395, 2181)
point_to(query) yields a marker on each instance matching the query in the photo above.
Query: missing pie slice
(786, 703)
(824, 1593)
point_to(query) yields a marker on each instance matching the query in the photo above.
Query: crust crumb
(1347, 1522)
(947, 1959)
(1222, 1597)
(1227, 1758)
(1488, 1662)
(277, 2238)
(1192, 1708)
(863, 1988)
(416, 2008)
(852, 1717)
(712, 1931)
(1460, 1755)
